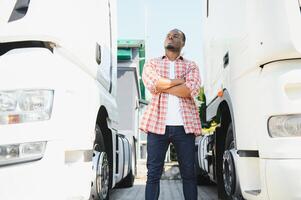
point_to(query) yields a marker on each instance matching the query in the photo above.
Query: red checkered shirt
(153, 119)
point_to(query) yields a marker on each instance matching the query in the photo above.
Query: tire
(229, 173)
(202, 176)
(127, 182)
(229, 143)
(100, 167)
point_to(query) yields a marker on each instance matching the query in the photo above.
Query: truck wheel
(128, 181)
(202, 176)
(100, 167)
(231, 184)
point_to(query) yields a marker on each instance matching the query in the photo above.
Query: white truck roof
(75, 25)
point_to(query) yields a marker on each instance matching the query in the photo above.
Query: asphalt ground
(170, 186)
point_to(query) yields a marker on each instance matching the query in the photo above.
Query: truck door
(104, 45)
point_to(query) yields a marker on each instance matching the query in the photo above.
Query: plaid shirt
(153, 119)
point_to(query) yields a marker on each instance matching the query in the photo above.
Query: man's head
(175, 40)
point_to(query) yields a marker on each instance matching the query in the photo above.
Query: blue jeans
(157, 146)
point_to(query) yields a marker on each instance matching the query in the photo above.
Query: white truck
(252, 53)
(58, 110)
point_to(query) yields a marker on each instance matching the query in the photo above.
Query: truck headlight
(17, 153)
(285, 126)
(8, 101)
(21, 106)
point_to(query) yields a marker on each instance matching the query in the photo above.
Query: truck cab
(252, 59)
(58, 110)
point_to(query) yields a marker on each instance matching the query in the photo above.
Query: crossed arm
(175, 87)
(178, 87)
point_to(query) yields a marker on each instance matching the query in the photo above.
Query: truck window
(20, 10)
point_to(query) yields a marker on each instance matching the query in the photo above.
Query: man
(172, 115)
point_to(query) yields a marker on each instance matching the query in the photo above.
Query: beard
(171, 48)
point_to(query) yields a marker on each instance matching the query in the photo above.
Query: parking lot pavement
(169, 190)
(170, 187)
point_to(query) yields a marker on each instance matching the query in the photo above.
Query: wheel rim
(101, 180)
(228, 173)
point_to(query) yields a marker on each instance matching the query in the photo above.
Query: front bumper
(49, 178)
(61, 174)
(270, 179)
(283, 178)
